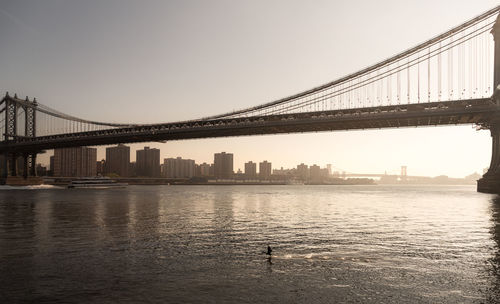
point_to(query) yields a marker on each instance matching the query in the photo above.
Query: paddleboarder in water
(269, 250)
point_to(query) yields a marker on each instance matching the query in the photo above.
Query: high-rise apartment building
(251, 169)
(118, 160)
(51, 165)
(302, 171)
(131, 169)
(265, 170)
(101, 167)
(178, 167)
(75, 162)
(315, 173)
(329, 168)
(204, 169)
(41, 170)
(223, 165)
(148, 162)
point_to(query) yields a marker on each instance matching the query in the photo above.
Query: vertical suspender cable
(398, 95)
(350, 93)
(468, 59)
(488, 65)
(481, 62)
(358, 93)
(459, 68)
(408, 79)
(418, 79)
(450, 70)
(439, 73)
(471, 58)
(389, 80)
(477, 41)
(462, 64)
(429, 74)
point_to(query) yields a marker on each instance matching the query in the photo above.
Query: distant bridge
(447, 80)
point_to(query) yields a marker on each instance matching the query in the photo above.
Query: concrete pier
(490, 183)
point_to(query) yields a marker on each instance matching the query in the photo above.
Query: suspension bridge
(451, 79)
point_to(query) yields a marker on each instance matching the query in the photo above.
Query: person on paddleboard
(269, 250)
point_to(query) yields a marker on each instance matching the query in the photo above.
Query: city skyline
(77, 162)
(118, 157)
(157, 84)
(239, 163)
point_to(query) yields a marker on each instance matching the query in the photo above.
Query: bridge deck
(477, 111)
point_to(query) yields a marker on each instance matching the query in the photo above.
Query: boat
(96, 183)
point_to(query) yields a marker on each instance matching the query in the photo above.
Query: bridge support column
(4, 165)
(25, 166)
(32, 164)
(490, 182)
(13, 164)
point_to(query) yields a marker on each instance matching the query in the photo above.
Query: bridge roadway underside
(478, 111)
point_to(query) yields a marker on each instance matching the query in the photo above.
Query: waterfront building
(324, 174)
(75, 162)
(148, 162)
(315, 173)
(250, 170)
(223, 165)
(101, 167)
(204, 169)
(329, 168)
(302, 171)
(284, 174)
(265, 170)
(51, 166)
(41, 170)
(118, 160)
(178, 167)
(131, 169)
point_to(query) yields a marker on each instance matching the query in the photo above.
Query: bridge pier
(10, 173)
(4, 159)
(490, 182)
(32, 164)
(13, 164)
(29, 165)
(25, 166)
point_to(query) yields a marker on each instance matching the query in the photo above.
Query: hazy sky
(160, 61)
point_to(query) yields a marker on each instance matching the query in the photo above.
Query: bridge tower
(30, 131)
(9, 163)
(490, 182)
(404, 173)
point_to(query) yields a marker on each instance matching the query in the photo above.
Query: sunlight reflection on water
(391, 244)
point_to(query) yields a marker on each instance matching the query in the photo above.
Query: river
(204, 244)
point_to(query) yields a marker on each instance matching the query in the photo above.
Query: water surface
(203, 244)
